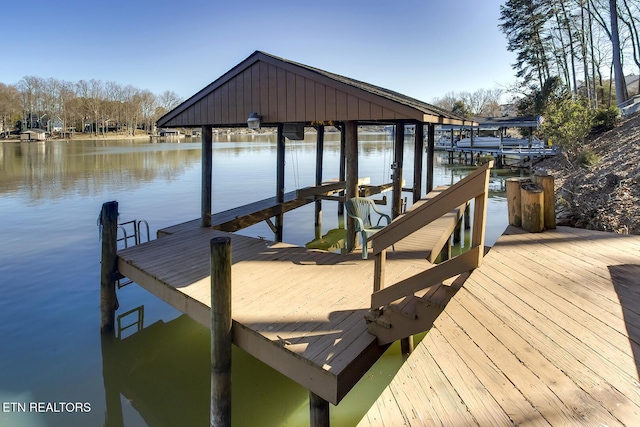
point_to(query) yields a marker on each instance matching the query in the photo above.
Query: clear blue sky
(422, 48)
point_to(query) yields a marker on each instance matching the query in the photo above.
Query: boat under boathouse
(309, 313)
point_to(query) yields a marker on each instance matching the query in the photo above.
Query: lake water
(54, 368)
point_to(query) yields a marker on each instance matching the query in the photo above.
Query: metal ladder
(137, 323)
(127, 231)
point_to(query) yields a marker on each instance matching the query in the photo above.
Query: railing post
(220, 332)
(378, 275)
(480, 217)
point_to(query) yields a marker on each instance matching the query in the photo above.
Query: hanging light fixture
(254, 120)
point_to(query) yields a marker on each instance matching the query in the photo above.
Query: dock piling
(207, 174)
(319, 163)
(319, 411)
(220, 332)
(532, 207)
(350, 130)
(514, 203)
(547, 183)
(280, 155)
(108, 223)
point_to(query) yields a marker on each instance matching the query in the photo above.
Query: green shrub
(588, 158)
(567, 123)
(605, 119)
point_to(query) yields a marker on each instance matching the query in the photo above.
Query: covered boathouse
(268, 91)
(303, 311)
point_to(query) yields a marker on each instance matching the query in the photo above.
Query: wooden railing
(474, 186)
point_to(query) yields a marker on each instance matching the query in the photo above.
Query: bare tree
(617, 63)
(92, 94)
(447, 102)
(30, 88)
(169, 100)
(148, 105)
(630, 18)
(9, 106)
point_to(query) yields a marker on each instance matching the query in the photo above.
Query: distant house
(33, 135)
(169, 132)
(56, 125)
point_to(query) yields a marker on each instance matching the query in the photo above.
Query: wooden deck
(545, 332)
(300, 311)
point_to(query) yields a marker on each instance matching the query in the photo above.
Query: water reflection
(54, 169)
(163, 373)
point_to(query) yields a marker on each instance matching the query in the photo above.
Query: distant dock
(504, 157)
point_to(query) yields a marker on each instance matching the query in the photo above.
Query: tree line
(575, 48)
(578, 45)
(91, 105)
(570, 57)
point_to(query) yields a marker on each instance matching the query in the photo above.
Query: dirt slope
(605, 196)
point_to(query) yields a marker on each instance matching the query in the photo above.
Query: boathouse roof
(283, 91)
(508, 121)
(497, 123)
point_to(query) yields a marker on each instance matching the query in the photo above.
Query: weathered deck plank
(544, 332)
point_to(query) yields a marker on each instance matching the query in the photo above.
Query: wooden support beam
(318, 411)
(319, 164)
(339, 199)
(371, 190)
(207, 174)
(342, 175)
(418, 156)
(108, 223)
(396, 167)
(431, 149)
(351, 158)
(280, 155)
(325, 188)
(220, 332)
(407, 345)
(271, 225)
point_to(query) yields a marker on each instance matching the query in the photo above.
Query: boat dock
(545, 332)
(522, 156)
(502, 149)
(298, 310)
